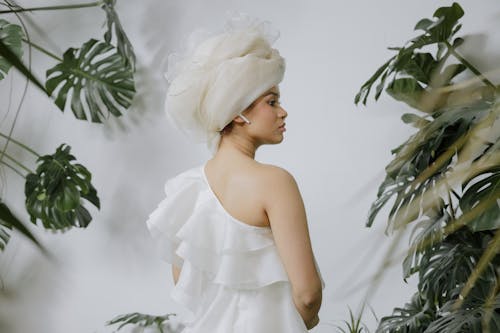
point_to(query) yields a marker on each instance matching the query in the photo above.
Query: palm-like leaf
(54, 193)
(97, 75)
(413, 318)
(431, 233)
(473, 317)
(453, 262)
(445, 268)
(420, 67)
(141, 320)
(487, 188)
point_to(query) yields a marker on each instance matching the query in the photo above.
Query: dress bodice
(231, 275)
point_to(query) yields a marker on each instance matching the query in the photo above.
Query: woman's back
(264, 195)
(232, 276)
(240, 188)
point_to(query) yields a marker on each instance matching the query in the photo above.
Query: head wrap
(218, 78)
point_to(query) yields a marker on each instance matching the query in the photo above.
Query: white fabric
(219, 77)
(232, 279)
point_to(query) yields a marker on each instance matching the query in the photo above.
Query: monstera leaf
(54, 193)
(414, 317)
(97, 75)
(122, 42)
(473, 317)
(421, 67)
(486, 189)
(11, 36)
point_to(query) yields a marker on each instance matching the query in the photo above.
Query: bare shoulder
(278, 183)
(270, 172)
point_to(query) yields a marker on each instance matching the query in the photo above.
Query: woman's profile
(234, 229)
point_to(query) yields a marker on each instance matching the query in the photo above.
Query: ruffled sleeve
(171, 213)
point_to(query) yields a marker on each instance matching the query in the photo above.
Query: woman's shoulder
(271, 172)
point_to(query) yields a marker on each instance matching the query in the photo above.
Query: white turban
(220, 77)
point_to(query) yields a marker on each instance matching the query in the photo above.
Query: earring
(245, 119)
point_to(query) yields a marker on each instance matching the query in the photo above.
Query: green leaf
(123, 44)
(423, 24)
(421, 66)
(444, 78)
(9, 56)
(469, 318)
(97, 75)
(450, 16)
(9, 221)
(54, 193)
(406, 90)
(413, 119)
(487, 188)
(141, 320)
(431, 233)
(366, 87)
(414, 317)
(457, 42)
(11, 36)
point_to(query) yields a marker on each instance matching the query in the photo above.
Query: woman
(234, 229)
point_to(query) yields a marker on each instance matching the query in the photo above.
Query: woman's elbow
(175, 273)
(313, 300)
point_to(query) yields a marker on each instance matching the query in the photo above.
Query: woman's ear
(238, 119)
(241, 118)
(245, 119)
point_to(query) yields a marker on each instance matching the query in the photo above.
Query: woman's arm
(285, 209)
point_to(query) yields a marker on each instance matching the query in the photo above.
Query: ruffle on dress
(192, 230)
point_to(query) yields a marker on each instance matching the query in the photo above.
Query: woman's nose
(284, 113)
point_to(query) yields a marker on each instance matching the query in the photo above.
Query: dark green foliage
(419, 68)
(354, 325)
(141, 320)
(446, 181)
(11, 52)
(95, 74)
(122, 42)
(9, 221)
(11, 36)
(413, 317)
(54, 192)
(485, 189)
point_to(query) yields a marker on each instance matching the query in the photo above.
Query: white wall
(336, 151)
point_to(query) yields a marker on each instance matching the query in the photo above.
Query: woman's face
(266, 116)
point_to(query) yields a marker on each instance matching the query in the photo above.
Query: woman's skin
(266, 195)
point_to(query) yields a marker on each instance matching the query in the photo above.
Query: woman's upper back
(241, 189)
(266, 195)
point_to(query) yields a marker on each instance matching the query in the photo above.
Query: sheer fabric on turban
(220, 75)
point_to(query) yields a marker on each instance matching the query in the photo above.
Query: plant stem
(14, 169)
(18, 163)
(452, 211)
(75, 6)
(20, 144)
(470, 66)
(41, 49)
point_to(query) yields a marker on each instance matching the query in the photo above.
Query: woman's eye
(273, 102)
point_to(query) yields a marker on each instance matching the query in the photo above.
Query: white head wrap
(217, 79)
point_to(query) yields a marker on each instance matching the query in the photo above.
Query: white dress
(232, 278)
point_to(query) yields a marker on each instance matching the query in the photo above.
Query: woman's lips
(282, 127)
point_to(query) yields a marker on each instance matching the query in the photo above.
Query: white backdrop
(336, 151)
